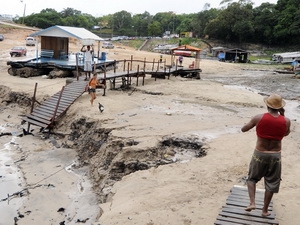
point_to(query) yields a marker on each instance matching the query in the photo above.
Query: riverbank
(191, 190)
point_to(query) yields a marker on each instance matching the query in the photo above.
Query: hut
(187, 50)
(55, 40)
(236, 55)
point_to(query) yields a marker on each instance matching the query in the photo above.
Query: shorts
(92, 90)
(267, 166)
(87, 66)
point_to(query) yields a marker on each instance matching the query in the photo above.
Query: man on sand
(271, 127)
(87, 60)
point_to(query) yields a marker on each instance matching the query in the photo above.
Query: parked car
(18, 51)
(30, 41)
(1, 37)
(107, 44)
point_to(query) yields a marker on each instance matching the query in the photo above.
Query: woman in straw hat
(271, 127)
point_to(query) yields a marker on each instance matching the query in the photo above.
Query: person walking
(271, 127)
(92, 87)
(88, 57)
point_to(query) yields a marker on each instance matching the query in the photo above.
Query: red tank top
(270, 127)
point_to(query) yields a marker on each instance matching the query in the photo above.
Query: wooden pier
(47, 114)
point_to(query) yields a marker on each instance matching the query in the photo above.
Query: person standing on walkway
(88, 57)
(271, 127)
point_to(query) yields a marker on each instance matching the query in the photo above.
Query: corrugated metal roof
(68, 32)
(186, 48)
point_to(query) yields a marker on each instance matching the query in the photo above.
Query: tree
(121, 21)
(155, 29)
(234, 22)
(140, 23)
(265, 20)
(287, 28)
(201, 20)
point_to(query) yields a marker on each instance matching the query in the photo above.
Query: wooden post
(137, 75)
(57, 105)
(131, 61)
(115, 65)
(153, 64)
(77, 70)
(128, 77)
(98, 56)
(95, 68)
(32, 104)
(124, 66)
(104, 77)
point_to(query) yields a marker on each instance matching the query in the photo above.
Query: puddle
(10, 182)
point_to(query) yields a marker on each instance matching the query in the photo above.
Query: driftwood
(6, 134)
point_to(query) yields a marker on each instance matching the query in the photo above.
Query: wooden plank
(55, 99)
(42, 113)
(220, 222)
(221, 219)
(53, 104)
(245, 189)
(245, 197)
(69, 95)
(249, 217)
(233, 212)
(257, 213)
(242, 202)
(61, 105)
(75, 89)
(39, 119)
(47, 110)
(51, 108)
(43, 125)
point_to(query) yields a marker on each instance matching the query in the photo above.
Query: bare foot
(250, 208)
(265, 214)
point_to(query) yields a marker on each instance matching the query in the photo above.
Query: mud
(265, 82)
(110, 158)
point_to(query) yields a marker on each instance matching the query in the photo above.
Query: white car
(107, 44)
(30, 41)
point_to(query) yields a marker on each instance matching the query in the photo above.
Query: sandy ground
(186, 193)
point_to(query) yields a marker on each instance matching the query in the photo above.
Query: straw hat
(274, 101)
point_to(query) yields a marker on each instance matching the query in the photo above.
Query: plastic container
(103, 56)
(88, 41)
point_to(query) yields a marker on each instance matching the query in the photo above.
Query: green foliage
(236, 22)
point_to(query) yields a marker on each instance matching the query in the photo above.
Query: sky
(99, 8)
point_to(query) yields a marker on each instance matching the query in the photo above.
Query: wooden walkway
(45, 115)
(162, 73)
(233, 212)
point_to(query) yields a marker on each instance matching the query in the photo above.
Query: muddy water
(10, 181)
(263, 82)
